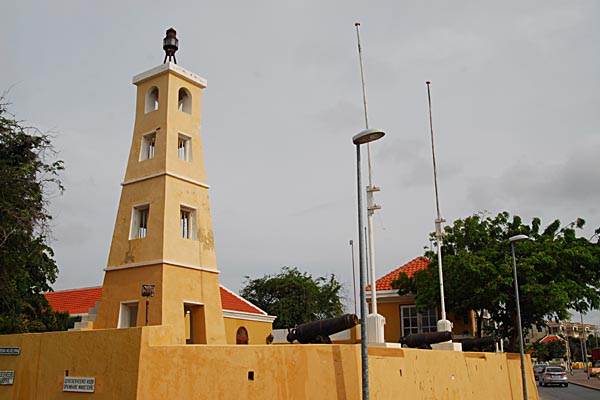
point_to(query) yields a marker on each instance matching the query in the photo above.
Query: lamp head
(366, 136)
(148, 290)
(518, 238)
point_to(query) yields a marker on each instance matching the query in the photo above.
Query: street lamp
(366, 136)
(519, 238)
(147, 292)
(583, 339)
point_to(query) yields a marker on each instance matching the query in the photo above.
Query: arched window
(241, 337)
(151, 99)
(185, 101)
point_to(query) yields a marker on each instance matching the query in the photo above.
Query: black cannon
(477, 344)
(423, 340)
(319, 331)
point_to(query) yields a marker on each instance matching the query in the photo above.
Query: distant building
(562, 328)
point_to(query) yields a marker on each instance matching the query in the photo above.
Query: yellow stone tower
(163, 233)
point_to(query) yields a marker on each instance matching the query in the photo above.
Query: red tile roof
(385, 282)
(75, 301)
(78, 301)
(232, 302)
(552, 338)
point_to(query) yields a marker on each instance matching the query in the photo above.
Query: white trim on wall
(248, 316)
(178, 70)
(158, 262)
(181, 177)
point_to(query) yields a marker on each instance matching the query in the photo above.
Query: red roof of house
(385, 282)
(232, 302)
(74, 301)
(79, 301)
(551, 338)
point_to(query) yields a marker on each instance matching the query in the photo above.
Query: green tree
(548, 351)
(295, 297)
(557, 271)
(26, 265)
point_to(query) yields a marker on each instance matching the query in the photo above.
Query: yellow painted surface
(391, 312)
(124, 251)
(139, 363)
(111, 356)
(257, 331)
(460, 327)
(125, 285)
(193, 287)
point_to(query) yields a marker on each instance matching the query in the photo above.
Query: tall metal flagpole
(371, 208)
(443, 324)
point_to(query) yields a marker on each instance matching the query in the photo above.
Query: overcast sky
(515, 105)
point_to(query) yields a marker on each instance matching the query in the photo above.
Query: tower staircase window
(139, 222)
(187, 223)
(185, 101)
(151, 100)
(184, 148)
(148, 146)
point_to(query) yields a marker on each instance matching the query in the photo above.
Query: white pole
(443, 324)
(371, 206)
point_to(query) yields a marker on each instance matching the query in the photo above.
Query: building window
(187, 217)
(241, 336)
(139, 222)
(151, 100)
(413, 322)
(184, 148)
(128, 314)
(184, 103)
(148, 145)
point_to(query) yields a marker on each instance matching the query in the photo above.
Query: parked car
(537, 370)
(554, 376)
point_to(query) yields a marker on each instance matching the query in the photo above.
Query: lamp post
(582, 338)
(375, 321)
(363, 137)
(512, 240)
(353, 276)
(147, 292)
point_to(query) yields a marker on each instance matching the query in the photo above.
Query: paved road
(573, 392)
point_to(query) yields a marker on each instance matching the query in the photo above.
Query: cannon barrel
(425, 339)
(470, 344)
(319, 331)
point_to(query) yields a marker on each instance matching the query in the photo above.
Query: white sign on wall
(10, 351)
(7, 377)
(73, 384)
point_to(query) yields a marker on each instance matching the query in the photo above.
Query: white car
(554, 376)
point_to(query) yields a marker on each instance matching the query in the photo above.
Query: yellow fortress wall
(139, 363)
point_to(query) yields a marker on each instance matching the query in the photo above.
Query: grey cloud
(548, 183)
